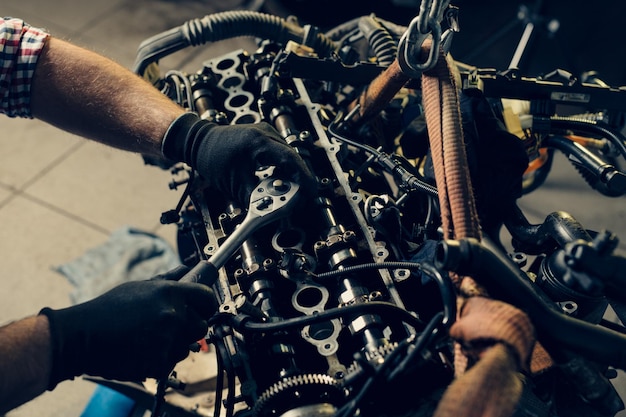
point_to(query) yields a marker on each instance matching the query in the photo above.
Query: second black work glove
(136, 330)
(228, 156)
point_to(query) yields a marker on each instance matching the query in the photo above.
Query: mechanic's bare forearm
(89, 95)
(25, 366)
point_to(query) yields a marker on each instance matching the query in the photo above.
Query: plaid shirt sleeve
(20, 47)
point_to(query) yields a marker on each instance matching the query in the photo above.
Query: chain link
(427, 24)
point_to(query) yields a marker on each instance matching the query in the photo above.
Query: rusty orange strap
(497, 339)
(494, 339)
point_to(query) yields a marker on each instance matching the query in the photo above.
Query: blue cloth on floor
(106, 402)
(129, 254)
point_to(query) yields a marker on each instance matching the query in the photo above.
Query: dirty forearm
(26, 361)
(89, 95)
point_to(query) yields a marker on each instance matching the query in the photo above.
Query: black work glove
(228, 156)
(137, 330)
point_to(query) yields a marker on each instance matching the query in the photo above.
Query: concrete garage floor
(61, 195)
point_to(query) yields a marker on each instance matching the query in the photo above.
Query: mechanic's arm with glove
(136, 330)
(94, 97)
(139, 329)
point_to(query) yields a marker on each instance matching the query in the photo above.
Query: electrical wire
(350, 408)
(181, 80)
(332, 128)
(243, 322)
(446, 287)
(372, 307)
(405, 178)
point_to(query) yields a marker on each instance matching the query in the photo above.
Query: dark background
(589, 35)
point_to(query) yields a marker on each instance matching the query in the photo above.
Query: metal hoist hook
(427, 24)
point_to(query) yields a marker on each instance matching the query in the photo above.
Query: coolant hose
(580, 125)
(558, 229)
(380, 40)
(345, 28)
(226, 25)
(599, 174)
(557, 332)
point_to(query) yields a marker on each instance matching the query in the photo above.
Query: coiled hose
(600, 175)
(341, 30)
(580, 125)
(226, 25)
(380, 40)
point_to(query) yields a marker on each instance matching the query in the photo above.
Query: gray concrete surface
(61, 195)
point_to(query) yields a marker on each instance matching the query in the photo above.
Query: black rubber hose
(558, 229)
(380, 40)
(561, 335)
(345, 28)
(226, 25)
(591, 127)
(599, 174)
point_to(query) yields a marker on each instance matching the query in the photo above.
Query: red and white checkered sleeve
(20, 47)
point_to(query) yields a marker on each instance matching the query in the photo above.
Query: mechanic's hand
(228, 156)
(136, 330)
